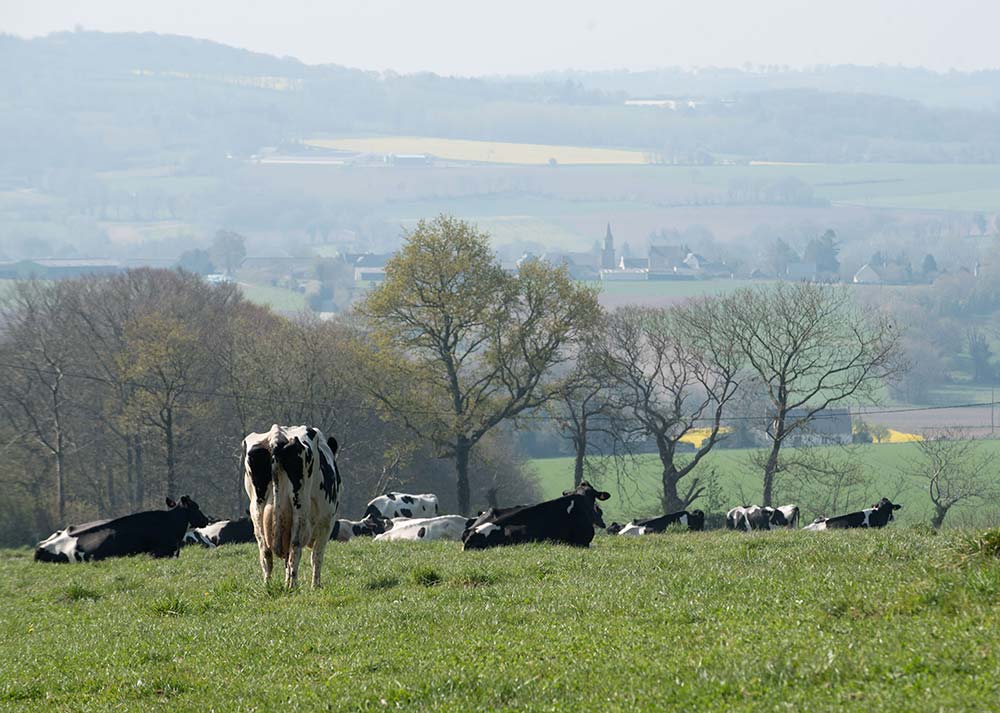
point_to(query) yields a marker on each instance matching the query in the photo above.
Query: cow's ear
(332, 442)
(185, 500)
(171, 503)
(601, 495)
(896, 507)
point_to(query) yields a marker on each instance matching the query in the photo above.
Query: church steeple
(608, 253)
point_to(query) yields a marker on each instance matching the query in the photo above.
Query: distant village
(603, 263)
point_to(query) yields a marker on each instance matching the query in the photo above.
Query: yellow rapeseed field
(483, 151)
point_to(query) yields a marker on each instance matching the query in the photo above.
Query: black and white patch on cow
(292, 480)
(368, 526)
(569, 519)
(221, 532)
(878, 515)
(155, 532)
(748, 518)
(393, 505)
(418, 529)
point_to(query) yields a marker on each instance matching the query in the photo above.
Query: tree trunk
(939, 514)
(168, 429)
(580, 446)
(670, 501)
(60, 479)
(462, 450)
(140, 485)
(770, 468)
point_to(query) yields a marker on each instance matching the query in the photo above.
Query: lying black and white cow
(221, 532)
(403, 505)
(442, 527)
(156, 532)
(570, 519)
(878, 515)
(693, 520)
(368, 526)
(754, 517)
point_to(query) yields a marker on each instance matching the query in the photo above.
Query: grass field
(276, 298)
(874, 620)
(884, 469)
(483, 151)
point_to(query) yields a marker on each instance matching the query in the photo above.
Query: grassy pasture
(885, 472)
(882, 619)
(277, 298)
(483, 151)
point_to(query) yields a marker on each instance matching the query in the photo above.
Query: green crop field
(895, 619)
(884, 467)
(672, 288)
(277, 298)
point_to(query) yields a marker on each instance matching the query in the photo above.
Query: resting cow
(754, 517)
(878, 515)
(293, 483)
(568, 519)
(693, 520)
(222, 532)
(442, 527)
(369, 526)
(156, 532)
(394, 505)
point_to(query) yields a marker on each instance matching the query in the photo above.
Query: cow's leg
(266, 563)
(292, 564)
(317, 561)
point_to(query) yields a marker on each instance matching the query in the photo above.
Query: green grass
(884, 470)
(704, 621)
(277, 298)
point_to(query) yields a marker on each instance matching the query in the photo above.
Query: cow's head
(593, 495)
(614, 528)
(886, 506)
(372, 525)
(696, 520)
(195, 517)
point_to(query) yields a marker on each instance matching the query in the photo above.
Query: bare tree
(955, 469)
(592, 413)
(678, 373)
(810, 347)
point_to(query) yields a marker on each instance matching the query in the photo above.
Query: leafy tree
(229, 249)
(459, 345)
(929, 265)
(197, 261)
(779, 256)
(823, 251)
(809, 347)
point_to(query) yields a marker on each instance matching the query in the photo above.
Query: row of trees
(116, 392)
(470, 346)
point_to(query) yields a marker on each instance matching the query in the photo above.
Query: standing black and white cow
(570, 519)
(221, 532)
(878, 515)
(424, 529)
(156, 532)
(393, 505)
(291, 478)
(368, 526)
(754, 517)
(693, 520)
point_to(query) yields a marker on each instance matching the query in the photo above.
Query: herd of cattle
(293, 483)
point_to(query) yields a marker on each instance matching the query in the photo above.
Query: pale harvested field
(484, 151)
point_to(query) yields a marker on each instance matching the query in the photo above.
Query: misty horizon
(390, 36)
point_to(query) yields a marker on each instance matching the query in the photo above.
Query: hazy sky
(518, 36)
